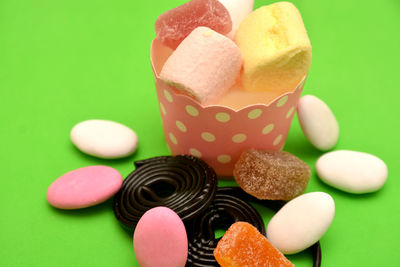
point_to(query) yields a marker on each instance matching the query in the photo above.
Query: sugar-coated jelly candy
(274, 175)
(174, 25)
(243, 245)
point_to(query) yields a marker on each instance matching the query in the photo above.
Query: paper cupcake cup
(218, 134)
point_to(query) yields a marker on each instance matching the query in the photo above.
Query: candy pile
(270, 44)
(186, 188)
(222, 52)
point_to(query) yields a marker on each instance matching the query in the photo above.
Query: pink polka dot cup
(218, 134)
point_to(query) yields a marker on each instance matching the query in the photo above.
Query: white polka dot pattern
(209, 137)
(290, 112)
(224, 158)
(168, 96)
(192, 111)
(163, 111)
(277, 140)
(254, 114)
(218, 134)
(282, 101)
(195, 152)
(239, 138)
(181, 126)
(267, 129)
(173, 138)
(222, 117)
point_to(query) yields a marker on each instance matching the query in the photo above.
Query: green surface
(62, 62)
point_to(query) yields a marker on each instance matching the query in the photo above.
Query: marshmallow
(238, 10)
(275, 47)
(204, 66)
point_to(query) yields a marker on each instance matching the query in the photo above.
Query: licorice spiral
(226, 209)
(185, 184)
(229, 206)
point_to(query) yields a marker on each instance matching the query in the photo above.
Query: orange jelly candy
(242, 245)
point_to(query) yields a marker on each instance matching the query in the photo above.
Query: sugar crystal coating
(243, 245)
(174, 25)
(274, 175)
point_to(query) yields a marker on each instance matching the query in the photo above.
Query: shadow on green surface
(96, 210)
(303, 257)
(301, 148)
(334, 191)
(99, 161)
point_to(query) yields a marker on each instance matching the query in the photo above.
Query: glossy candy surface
(318, 122)
(84, 187)
(301, 222)
(160, 239)
(352, 171)
(185, 184)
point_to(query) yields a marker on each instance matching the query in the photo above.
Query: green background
(62, 62)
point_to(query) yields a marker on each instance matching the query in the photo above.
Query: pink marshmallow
(204, 66)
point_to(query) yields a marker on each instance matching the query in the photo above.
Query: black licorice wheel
(226, 209)
(185, 184)
(229, 206)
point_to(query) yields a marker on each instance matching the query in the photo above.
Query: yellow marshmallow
(275, 48)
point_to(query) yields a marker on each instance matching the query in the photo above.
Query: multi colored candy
(243, 245)
(271, 174)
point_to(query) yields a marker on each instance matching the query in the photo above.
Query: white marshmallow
(238, 9)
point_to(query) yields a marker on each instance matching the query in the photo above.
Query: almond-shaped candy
(274, 175)
(318, 123)
(104, 139)
(160, 239)
(352, 171)
(301, 222)
(84, 187)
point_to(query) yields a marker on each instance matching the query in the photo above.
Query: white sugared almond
(301, 222)
(352, 171)
(318, 123)
(104, 139)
